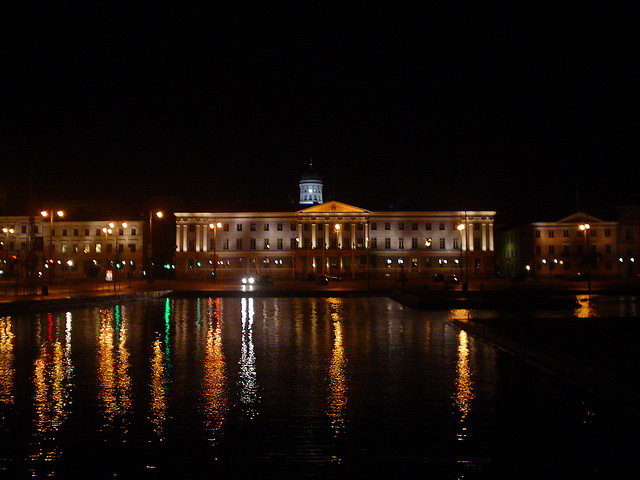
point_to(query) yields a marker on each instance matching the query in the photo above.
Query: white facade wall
(295, 244)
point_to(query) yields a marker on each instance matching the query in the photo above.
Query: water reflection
(337, 373)
(464, 385)
(248, 377)
(158, 387)
(114, 382)
(7, 370)
(52, 392)
(214, 381)
(586, 308)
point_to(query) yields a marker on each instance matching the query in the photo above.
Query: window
(98, 232)
(401, 243)
(293, 226)
(266, 227)
(98, 248)
(374, 243)
(442, 243)
(565, 233)
(537, 233)
(252, 227)
(252, 243)
(552, 250)
(428, 242)
(293, 244)
(132, 247)
(387, 243)
(374, 226)
(266, 244)
(87, 248)
(427, 226)
(401, 226)
(551, 233)
(238, 244)
(414, 225)
(566, 249)
(607, 232)
(225, 227)
(279, 244)
(238, 227)
(86, 232)
(64, 232)
(441, 226)
(225, 244)
(387, 226)
(456, 244)
(279, 227)
(414, 243)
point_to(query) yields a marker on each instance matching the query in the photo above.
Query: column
(327, 232)
(483, 229)
(185, 243)
(352, 242)
(470, 235)
(491, 237)
(314, 233)
(178, 238)
(198, 237)
(299, 233)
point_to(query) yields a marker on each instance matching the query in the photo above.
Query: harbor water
(302, 387)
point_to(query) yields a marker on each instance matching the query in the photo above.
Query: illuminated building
(336, 239)
(572, 247)
(71, 248)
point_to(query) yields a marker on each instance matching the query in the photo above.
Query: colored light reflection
(52, 396)
(114, 380)
(338, 391)
(7, 370)
(464, 385)
(214, 381)
(158, 403)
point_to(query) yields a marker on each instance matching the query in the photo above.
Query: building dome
(310, 187)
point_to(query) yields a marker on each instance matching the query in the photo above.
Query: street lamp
(584, 228)
(214, 227)
(158, 215)
(7, 231)
(463, 231)
(50, 214)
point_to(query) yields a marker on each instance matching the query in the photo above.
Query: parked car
(322, 280)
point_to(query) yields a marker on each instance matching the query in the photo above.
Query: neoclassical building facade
(336, 239)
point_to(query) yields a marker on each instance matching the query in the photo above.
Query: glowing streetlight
(158, 215)
(50, 214)
(214, 227)
(584, 227)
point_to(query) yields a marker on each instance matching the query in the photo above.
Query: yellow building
(336, 239)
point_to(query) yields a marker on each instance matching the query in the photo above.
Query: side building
(571, 247)
(336, 239)
(58, 250)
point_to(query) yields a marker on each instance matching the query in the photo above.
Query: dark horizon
(416, 107)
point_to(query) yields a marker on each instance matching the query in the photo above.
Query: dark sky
(423, 105)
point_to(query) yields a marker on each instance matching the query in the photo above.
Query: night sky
(531, 111)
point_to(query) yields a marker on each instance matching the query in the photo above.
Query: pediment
(333, 207)
(580, 217)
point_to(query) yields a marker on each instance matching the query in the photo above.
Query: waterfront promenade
(600, 353)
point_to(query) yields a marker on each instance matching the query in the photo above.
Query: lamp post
(214, 227)
(584, 228)
(107, 230)
(157, 214)
(7, 231)
(337, 227)
(50, 214)
(462, 228)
